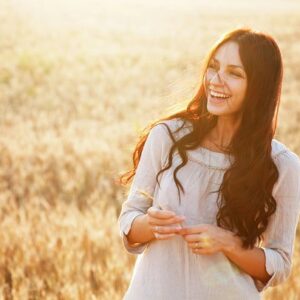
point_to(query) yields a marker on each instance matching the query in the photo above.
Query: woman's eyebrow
(233, 66)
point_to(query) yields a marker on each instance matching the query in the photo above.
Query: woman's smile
(225, 81)
(217, 97)
(218, 94)
(217, 100)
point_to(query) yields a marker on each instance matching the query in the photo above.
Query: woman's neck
(224, 131)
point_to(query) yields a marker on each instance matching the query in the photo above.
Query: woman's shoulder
(284, 157)
(178, 127)
(176, 123)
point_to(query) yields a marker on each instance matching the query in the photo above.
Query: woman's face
(225, 81)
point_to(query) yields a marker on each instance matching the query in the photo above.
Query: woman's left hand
(208, 238)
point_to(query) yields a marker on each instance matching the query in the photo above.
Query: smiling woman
(230, 234)
(225, 83)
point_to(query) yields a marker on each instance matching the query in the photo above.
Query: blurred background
(79, 80)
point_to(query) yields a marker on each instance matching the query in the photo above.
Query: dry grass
(75, 82)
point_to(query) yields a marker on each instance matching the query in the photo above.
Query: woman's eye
(214, 67)
(235, 74)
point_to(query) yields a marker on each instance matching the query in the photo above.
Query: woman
(215, 200)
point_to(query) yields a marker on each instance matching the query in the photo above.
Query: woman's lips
(217, 100)
(218, 94)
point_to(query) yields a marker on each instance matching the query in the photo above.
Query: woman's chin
(217, 101)
(216, 109)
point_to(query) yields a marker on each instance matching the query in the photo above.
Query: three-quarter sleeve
(153, 157)
(278, 244)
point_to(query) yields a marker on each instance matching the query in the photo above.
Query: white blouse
(168, 269)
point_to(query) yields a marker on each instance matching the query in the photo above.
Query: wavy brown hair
(246, 201)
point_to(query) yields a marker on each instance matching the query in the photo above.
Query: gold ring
(206, 242)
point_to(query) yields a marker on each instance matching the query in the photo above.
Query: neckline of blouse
(211, 159)
(222, 161)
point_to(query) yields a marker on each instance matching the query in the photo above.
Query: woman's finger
(202, 244)
(207, 251)
(196, 245)
(174, 220)
(165, 230)
(192, 237)
(161, 236)
(160, 214)
(197, 237)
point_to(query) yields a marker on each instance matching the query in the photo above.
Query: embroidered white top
(168, 269)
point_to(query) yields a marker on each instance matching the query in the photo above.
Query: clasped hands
(200, 238)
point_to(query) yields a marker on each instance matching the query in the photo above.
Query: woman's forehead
(228, 54)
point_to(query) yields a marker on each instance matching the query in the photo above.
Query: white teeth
(215, 94)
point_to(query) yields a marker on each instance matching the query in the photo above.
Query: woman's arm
(279, 237)
(251, 261)
(132, 219)
(158, 224)
(140, 231)
(206, 239)
(272, 267)
(136, 205)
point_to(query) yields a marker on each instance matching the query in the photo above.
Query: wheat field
(79, 80)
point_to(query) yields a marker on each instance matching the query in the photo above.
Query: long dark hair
(246, 201)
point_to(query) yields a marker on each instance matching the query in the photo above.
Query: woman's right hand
(163, 223)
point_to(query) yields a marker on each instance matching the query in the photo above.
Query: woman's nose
(216, 79)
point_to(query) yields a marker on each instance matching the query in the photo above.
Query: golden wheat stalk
(147, 195)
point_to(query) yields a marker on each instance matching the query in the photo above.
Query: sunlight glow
(59, 13)
(68, 13)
